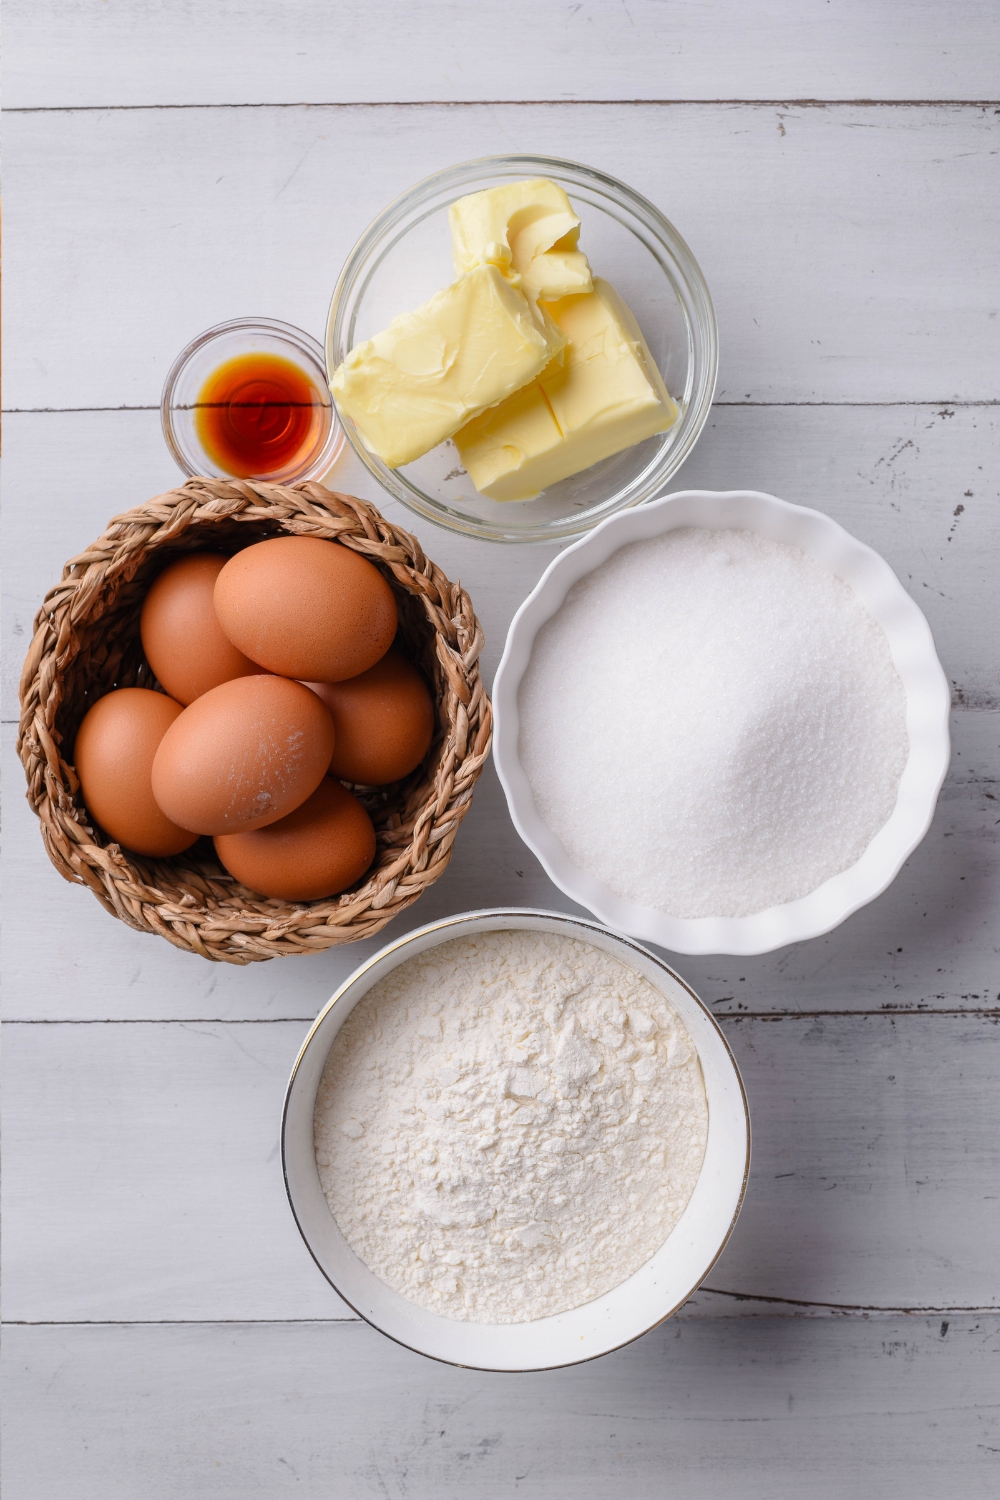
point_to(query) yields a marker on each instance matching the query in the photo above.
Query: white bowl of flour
(721, 724)
(514, 1140)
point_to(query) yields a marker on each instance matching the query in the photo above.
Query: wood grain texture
(142, 1179)
(930, 943)
(919, 484)
(200, 1226)
(838, 243)
(894, 476)
(760, 1408)
(851, 253)
(174, 52)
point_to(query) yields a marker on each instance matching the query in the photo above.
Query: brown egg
(384, 720)
(114, 751)
(243, 755)
(318, 850)
(184, 643)
(306, 608)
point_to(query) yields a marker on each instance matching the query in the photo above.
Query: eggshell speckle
(306, 608)
(243, 755)
(114, 752)
(184, 643)
(384, 720)
(320, 849)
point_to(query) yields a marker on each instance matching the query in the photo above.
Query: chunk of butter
(605, 395)
(470, 346)
(528, 230)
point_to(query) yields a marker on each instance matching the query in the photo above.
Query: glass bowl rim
(652, 219)
(300, 339)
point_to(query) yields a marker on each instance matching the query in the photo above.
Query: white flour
(712, 724)
(509, 1125)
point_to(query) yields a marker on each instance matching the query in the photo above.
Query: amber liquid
(257, 415)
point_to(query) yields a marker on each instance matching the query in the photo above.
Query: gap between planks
(852, 1308)
(741, 1015)
(847, 1309)
(33, 411)
(65, 109)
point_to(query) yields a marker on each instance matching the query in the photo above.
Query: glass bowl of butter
(520, 346)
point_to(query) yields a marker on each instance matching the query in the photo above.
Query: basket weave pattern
(86, 643)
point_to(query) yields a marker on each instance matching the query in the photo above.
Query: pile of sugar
(712, 724)
(510, 1125)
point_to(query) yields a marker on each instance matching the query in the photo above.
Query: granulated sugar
(509, 1125)
(712, 724)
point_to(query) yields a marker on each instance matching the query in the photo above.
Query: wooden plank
(173, 53)
(142, 1169)
(141, 1178)
(850, 251)
(874, 1137)
(766, 1408)
(894, 476)
(149, 1156)
(930, 943)
(919, 484)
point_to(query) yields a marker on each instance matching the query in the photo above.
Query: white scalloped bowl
(912, 648)
(648, 1296)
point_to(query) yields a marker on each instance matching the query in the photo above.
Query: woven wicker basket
(87, 642)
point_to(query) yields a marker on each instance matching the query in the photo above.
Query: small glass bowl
(404, 256)
(204, 355)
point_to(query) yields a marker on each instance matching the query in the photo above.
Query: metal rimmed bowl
(911, 646)
(404, 256)
(649, 1296)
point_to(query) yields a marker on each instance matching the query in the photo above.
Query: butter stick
(604, 396)
(469, 347)
(529, 231)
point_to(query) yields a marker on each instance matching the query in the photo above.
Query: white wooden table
(169, 165)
